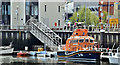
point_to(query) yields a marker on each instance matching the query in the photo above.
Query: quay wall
(105, 39)
(21, 39)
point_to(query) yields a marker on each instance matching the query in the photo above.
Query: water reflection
(10, 60)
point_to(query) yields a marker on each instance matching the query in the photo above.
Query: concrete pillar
(107, 38)
(17, 13)
(117, 39)
(65, 36)
(102, 32)
(95, 37)
(110, 42)
(99, 38)
(112, 38)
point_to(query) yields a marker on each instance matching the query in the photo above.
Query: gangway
(44, 34)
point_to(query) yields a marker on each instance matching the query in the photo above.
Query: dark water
(10, 60)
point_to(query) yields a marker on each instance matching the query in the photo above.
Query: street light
(101, 14)
(108, 13)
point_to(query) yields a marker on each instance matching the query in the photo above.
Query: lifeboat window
(91, 41)
(86, 40)
(74, 41)
(81, 40)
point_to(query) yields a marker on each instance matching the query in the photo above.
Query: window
(91, 41)
(58, 8)
(5, 10)
(36, 10)
(27, 10)
(2, 9)
(118, 7)
(96, 9)
(86, 40)
(73, 41)
(45, 7)
(81, 40)
(58, 22)
(93, 9)
(32, 9)
(8, 9)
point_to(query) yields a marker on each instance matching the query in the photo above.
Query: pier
(22, 36)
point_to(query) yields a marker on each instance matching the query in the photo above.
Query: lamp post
(101, 9)
(108, 14)
(85, 16)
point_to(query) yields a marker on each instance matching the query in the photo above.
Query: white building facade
(52, 12)
(49, 12)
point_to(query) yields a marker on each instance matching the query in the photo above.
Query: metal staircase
(44, 34)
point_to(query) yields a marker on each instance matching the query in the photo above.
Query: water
(10, 60)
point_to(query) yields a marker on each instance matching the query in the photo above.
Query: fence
(90, 28)
(14, 28)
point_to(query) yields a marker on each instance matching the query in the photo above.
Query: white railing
(14, 28)
(90, 28)
(45, 34)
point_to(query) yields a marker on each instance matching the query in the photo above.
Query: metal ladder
(44, 34)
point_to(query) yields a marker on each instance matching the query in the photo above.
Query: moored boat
(114, 57)
(23, 54)
(79, 46)
(6, 50)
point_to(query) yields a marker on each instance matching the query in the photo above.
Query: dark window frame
(81, 40)
(45, 8)
(86, 40)
(58, 22)
(92, 40)
(59, 8)
(118, 7)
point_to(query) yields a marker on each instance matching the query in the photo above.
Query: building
(5, 12)
(75, 5)
(17, 12)
(52, 13)
(106, 5)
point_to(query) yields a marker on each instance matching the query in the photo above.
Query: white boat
(114, 57)
(6, 49)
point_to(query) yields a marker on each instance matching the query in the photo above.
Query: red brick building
(104, 6)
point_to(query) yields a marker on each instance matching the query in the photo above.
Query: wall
(51, 15)
(17, 13)
(106, 39)
(20, 39)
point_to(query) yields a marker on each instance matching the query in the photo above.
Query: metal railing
(45, 34)
(90, 28)
(14, 28)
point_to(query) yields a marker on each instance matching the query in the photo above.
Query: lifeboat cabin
(79, 40)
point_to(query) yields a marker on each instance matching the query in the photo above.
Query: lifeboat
(79, 46)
